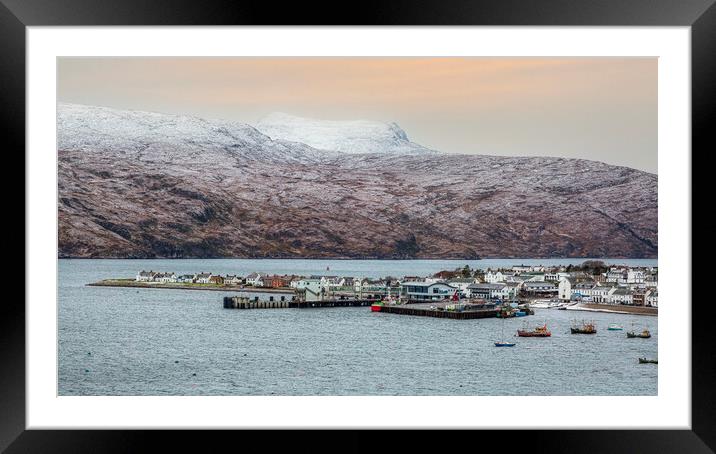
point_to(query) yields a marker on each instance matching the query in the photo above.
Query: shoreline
(209, 287)
(629, 310)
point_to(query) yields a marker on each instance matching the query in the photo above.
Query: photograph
(357, 226)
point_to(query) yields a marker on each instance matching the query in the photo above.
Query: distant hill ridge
(142, 184)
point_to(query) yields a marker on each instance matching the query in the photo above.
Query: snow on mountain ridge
(352, 136)
(164, 136)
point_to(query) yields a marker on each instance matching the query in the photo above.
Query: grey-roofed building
(426, 291)
(484, 291)
(539, 288)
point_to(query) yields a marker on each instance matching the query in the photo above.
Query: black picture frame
(16, 15)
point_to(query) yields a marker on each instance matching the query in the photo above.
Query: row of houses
(622, 286)
(636, 294)
(619, 285)
(615, 275)
(199, 278)
(253, 279)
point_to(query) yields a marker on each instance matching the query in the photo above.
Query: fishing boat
(376, 307)
(584, 328)
(539, 331)
(645, 334)
(506, 313)
(648, 361)
(632, 333)
(510, 310)
(615, 327)
(503, 342)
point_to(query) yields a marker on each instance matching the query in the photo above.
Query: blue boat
(520, 314)
(504, 344)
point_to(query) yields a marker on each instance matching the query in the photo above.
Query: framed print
(445, 217)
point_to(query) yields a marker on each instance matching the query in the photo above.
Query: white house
(165, 278)
(505, 291)
(492, 277)
(256, 279)
(485, 290)
(621, 296)
(145, 276)
(601, 294)
(564, 288)
(233, 280)
(186, 278)
(592, 291)
(333, 282)
(347, 282)
(461, 283)
(583, 291)
(614, 275)
(431, 280)
(555, 277)
(652, 299)
(203, 278)
(635, 276)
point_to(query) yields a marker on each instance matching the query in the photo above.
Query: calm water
(115, 341)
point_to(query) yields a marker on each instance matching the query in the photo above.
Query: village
(592, 282)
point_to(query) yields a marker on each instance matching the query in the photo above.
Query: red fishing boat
(376, 307)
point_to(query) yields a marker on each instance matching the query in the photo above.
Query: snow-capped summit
(167, 136)
(356, 136)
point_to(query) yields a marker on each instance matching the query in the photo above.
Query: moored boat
(645, 334)
(539, 331)
(504, 344)
(648, 361)
(615, 327)
(376, 307)
(584, 328)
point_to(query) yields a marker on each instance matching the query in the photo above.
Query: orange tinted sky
(594, 108)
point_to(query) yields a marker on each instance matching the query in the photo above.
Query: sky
(603, 109)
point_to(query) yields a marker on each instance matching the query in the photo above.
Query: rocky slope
(138, 184)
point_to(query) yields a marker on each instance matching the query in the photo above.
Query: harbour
(135, 335)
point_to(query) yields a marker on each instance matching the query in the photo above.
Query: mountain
(138, 184)
(344, 136)
(155, 136)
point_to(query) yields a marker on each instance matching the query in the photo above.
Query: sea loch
(122, 341)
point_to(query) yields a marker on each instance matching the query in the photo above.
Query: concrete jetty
(443, 310)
